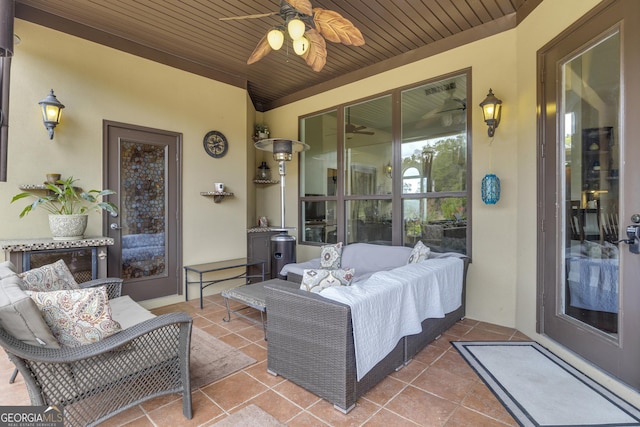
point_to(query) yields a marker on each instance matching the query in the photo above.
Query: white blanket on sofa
(392, 304)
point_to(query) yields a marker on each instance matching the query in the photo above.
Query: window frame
(397, 196)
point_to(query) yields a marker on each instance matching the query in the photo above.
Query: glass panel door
(588, 271)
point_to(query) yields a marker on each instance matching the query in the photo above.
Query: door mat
(540, 389)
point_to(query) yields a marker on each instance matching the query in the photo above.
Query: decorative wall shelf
(218, 196)
(39, 187)
(266, 181)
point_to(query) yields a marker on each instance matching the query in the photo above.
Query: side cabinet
(259, 247)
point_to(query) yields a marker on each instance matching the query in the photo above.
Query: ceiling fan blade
(336, 28)
(257, 15)
(262, 49)
(316, 56)
(302, 6)
(362, 132)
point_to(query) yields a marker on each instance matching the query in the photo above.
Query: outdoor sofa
(311, 337)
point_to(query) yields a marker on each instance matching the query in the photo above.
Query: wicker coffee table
(252, 296)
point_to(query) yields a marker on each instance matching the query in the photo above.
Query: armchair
(93, 382)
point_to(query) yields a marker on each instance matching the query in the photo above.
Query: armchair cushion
(77, 316)
(50, 277)
(19, 315)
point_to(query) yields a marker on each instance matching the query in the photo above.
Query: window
(391, 169)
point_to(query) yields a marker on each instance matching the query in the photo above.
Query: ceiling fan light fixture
(275, 38)
(296, 28)
(301, 46)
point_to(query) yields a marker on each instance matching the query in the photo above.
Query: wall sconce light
(491, 110)
(51, 111)
(388, 170)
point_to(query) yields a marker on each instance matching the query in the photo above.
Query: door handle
(115, 226)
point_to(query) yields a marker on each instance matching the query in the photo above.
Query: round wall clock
(215, 144)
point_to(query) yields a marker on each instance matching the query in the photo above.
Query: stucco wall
(97, 83)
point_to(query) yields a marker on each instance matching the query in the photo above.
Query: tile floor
(437, 388)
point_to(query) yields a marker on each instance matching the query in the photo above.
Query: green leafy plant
(64, 198)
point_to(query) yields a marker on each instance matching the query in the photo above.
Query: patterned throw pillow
(419, 253)
(77, 316)
(331, 256)
(316, 280)
(50, 277)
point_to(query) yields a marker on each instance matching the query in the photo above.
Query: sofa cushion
(20, 317)
(331, 256)
(50, 277)
(77, 316)
(367, 258)
(315, 280)
(419, 253)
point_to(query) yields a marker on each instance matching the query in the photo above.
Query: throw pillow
(331, 256)
(77, 316)
(419, 253)
(315, 280)
(50, 277)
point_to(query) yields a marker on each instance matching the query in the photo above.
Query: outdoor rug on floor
(212, 359)
(540, 389)
(249, 416)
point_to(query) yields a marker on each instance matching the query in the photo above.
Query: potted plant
(262, 131)
(67, 206)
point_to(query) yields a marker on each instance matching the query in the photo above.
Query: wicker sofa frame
(97, 381)
(310, 342)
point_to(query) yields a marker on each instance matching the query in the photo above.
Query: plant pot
(68, 227)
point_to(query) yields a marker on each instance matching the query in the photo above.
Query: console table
(201, 269)
(86, 258)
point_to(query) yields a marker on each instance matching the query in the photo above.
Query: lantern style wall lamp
(51, 111)
(491, 110)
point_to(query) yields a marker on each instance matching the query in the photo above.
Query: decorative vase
(68, 227)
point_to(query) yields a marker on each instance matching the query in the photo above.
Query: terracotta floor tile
(410, 371)
(421, 407)
(452, 362)
(171, 415)
(305, 419)
(275, 404)
(444, 383)
(464, 417)
(482, 400)
(496, 328)
(233, 390)
(357, 416)
(384, 418)
(253, 334)
(130, 415)
(234, 340)
(296, 394)
(255, 351)
(429, 354)
(484, 335)
(139, 422)
(216, 330)
(385, 390)
(259, 372)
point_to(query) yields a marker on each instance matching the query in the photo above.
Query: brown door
(143, 166)
(588, 175)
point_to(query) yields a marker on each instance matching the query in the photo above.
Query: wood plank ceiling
(189, 35)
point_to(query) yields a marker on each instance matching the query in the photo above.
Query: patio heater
(283, 245)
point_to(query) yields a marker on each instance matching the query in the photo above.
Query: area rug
(212, 359)
(540, 389)
(249, 416)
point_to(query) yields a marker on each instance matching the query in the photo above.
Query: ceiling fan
(449, 112)
(351, 128)
(308, 27)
